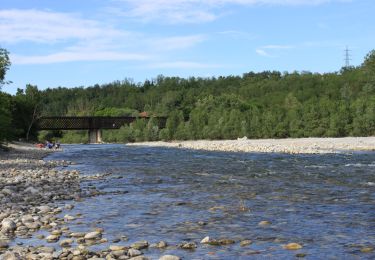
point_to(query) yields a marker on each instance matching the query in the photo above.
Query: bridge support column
(95, 136)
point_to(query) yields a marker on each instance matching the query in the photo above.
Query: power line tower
(347, 57)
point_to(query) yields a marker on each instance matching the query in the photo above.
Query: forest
(267, 104)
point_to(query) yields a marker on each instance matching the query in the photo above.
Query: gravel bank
(291, 146)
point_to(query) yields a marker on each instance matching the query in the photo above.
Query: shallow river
(326, 203)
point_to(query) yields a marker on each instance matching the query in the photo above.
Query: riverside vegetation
(257, 105)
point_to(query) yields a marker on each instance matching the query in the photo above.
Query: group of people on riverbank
(49, 145)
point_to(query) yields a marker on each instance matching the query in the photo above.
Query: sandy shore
(292, 146)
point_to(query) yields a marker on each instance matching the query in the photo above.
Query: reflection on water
(324, 202)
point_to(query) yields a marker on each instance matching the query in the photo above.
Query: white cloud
(49, 27)
(271, 50)
(192, 11)
(263, 53)
(182, 65)
(77, 56)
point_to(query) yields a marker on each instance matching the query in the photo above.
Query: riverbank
(35, 200)
(290, 145)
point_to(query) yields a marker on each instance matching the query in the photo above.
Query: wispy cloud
(192, 11)
(272, 51)
(182, 65)
(70, 37)
(78, 56)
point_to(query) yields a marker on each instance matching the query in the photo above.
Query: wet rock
(77, 234)
(367, 249)
(44, 209)
(169, 257)
(52, 238)
(66, 243)
(226, 241)
(140, 245)
(93, 235)
(141, 257)
(264, 223)
(134, 252)
(292, 246)
(117, 247)
(301, 255)
(245, 242)
(205, 240)
(188, 245)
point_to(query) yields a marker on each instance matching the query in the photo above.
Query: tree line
(268, 104)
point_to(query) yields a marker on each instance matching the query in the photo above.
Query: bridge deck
(90, 122)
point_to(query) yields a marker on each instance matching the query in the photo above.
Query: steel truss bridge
(94, 124)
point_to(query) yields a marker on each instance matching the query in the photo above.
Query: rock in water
(93, 235)
(140, 245)
(292, 246)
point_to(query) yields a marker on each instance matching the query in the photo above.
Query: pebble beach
(289, 146)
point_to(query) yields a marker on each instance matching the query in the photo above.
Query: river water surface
(326, 203)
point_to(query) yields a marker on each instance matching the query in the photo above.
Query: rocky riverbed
(35, 197)
(289, 146)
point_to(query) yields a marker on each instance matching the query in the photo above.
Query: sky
(74, 43)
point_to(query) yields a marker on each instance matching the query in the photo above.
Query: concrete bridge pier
(95, 136)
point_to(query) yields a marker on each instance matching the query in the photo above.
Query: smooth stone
(117, 247)
(188, 245)
(169, 257)
(10, 256)
(205, 240)
(134, 252)
(139, 245)
(44, 209)
(52, 238)
(77, 234)
(8, 225)
(66, 242)
(93, 235)
(264, 223)
(162, 244)
(246, 242)
(141, 257)
(292, 246)
(367, 249)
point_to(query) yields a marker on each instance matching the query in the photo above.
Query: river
(326, 203)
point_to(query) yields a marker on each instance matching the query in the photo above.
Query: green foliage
(268, 104)
(4, 65)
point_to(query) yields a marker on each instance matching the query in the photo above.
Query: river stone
(93, 235)
(117, 247)
(205, 240)
(134, 252)
(169, 257)
(188, 245)
(52, 238)
(44, 209)
(66, 242)
(246, 242)
(8, 225)
(77, 234)
(264, 223)
(140, 245)
(292, 246)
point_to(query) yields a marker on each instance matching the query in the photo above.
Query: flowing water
(326, 203)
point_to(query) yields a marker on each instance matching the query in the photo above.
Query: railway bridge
(94, 124)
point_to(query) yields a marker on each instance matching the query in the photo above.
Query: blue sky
(74, 43)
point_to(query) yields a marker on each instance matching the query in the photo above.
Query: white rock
(134, 252)
(205, 240)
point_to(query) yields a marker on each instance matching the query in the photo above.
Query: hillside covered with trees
(269, 104)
